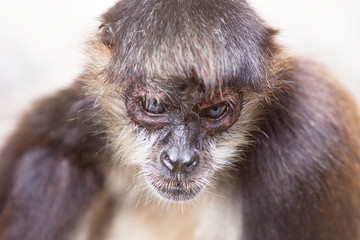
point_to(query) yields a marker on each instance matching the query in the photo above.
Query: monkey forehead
(211, 41)
(183, 95)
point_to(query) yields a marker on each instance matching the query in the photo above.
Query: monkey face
(184, 124)
(174, 136)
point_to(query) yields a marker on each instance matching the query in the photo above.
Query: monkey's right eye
(153, 106)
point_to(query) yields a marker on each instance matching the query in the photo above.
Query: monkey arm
(302, 172)
(47, 173)
(49, 192)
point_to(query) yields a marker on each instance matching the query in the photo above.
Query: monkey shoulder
(316, 100)
(313, 120)
(62, 122)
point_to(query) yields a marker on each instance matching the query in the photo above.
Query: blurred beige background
(41, 43)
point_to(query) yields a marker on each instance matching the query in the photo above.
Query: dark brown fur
(302, 178)
(298, 177)
(48, 176)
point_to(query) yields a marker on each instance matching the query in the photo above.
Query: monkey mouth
(178, 193)
(175, 190)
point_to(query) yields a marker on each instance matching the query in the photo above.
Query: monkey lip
(177, 193)
(173, 190)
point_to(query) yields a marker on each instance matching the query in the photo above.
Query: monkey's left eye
(153, 106)
(215, 111)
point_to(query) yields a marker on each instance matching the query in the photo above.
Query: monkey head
(180, 96)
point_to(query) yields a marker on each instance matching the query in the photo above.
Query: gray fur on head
(216, 42)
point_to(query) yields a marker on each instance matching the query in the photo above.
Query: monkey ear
(106, 34)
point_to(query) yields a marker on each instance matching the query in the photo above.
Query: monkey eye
(153, 106)
(215, 111)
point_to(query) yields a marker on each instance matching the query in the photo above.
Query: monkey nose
(179, 162)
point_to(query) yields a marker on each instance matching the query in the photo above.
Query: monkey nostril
(166, 162)
(192, 164)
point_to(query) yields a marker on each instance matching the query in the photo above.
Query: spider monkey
(189, 122)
